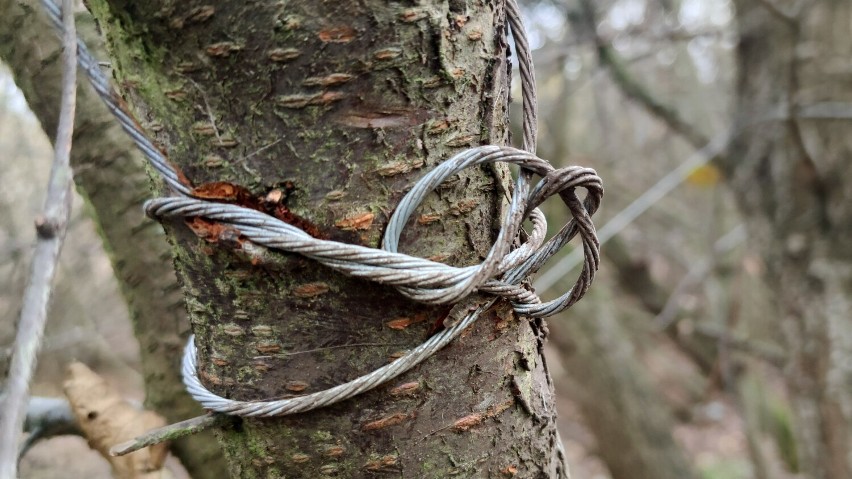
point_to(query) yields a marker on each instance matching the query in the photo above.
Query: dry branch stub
(501, 274)
(107, 419)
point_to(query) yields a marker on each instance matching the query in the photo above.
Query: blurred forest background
(678, 354)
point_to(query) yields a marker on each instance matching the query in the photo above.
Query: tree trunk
(109, 173)
(632, 424)
(630, 420)
(332, 110)
(791, 177)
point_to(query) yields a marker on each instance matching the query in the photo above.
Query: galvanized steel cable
(501, 274)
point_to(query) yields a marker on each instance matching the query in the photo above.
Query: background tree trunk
(632, 423)
(628, 416)
(109, 172)
(791, 178)
(337, 108)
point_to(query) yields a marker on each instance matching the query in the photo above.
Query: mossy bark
(790, 170)
(109, 174)
(333, 110)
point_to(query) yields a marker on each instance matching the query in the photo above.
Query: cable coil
(501, 274)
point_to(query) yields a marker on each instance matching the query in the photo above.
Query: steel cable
(501, 274)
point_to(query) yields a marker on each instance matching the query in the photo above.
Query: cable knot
(501, 274)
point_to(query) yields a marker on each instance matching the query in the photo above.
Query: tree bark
(109, 173)
(791, 178)
(331, 111)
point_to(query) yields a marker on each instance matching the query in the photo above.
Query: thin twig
(825, 110)
(637, 92)
(172, 432)
(50, 228)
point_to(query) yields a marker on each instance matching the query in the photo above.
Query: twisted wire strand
(525, 65)
(421, 279)
(116, 106)
(500, 274)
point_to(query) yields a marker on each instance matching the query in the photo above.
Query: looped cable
(428, 281)
(501, 274)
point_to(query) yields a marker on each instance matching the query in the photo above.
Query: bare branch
(103, 157)
(826, 110)
(635, 90)
(172, 431)
(636, 279)
(50, 226)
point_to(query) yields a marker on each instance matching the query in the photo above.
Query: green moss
(322, 436)
(256, 446)
(138, 63)
(780, 422)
